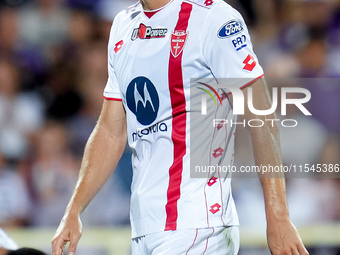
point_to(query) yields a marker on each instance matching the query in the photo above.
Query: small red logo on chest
(118, 46)
(178, 39)
(208, 2)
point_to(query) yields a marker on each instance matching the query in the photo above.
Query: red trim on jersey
(198, 4)
(221, 189)
(209, 175)
(206, 245)
(149, 14)
(206, 200)
(193, 242)
(219, 176)
(113, 99)
(249, 83)
(179, 120)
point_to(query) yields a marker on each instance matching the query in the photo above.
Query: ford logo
(230, 29)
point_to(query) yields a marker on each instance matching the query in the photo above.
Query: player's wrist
(73, 211)
(277, 215)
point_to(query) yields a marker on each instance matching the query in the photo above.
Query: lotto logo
(250, 63)
(118, 46)
(215, 208)
(212, 181)
(224, 96)
(218, 152)
(219, 126)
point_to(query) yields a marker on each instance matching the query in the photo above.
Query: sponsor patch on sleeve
(240, 42)
(231, 28)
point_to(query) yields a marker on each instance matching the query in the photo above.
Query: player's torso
(150, 53)
(154, 60)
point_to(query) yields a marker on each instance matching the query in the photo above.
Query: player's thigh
(164, 243)
(216, 241)
(209, 241)
(225, 241)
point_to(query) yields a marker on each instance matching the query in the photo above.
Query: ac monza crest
(178, 39)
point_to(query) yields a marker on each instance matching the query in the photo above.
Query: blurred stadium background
(53, 69)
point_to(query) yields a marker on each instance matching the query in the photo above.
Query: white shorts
(200, 241)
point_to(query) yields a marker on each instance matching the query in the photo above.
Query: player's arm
(102, 153)
(282, 236)
(3, 251)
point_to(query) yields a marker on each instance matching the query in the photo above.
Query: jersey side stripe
(178, 104)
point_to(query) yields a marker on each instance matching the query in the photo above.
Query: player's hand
(283, 239)
(69, 230)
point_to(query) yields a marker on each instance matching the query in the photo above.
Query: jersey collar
(150, 13)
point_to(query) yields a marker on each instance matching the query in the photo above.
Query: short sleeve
(111, 91)
(227, 48)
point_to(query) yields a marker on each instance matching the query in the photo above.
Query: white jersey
(152, 57)
(6, 242)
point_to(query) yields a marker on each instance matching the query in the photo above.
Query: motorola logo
(143, 100)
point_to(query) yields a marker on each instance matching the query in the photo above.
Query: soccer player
(155, 47)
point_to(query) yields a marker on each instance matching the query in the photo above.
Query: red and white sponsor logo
(218, 152)
(208, 2)
(215, 208)
(147, 32)
(178, 39)
(224, 96)
(250, 63)
(118, 46)
(212, 181)
(220, 125)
